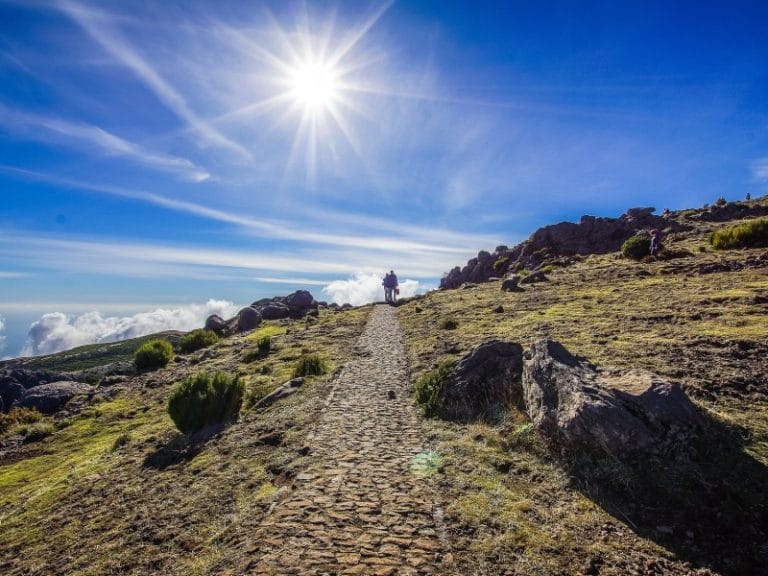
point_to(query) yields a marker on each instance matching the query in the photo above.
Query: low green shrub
(18, 416)
(753, 234)
(198, 339)
(637, 247)
(153, 354)
(429, 386)
(310, 365)
(449, 324)
(202, 400)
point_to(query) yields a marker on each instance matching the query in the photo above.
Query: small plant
(153, 354)
(202, 400)
(499, 265)
(637, 247)
(449, 324)
(38, 431)
(752, 234)
(18, 416)
(198, 339)
(263, 347)
(429, 386)
(121, 441)
(309, 365)
(721, 201)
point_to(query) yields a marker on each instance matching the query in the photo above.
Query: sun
(314, 85)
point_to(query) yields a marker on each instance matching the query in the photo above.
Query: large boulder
(48, 398)
(577, 407)
(275, 311)
(247, 319)
(510, 284)
(10, 392)
(299, 300)
(483, 383)
(216, 324)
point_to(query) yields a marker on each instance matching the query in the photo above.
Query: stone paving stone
(358, 509)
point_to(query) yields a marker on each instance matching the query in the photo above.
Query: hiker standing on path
(655, 243)
(390, 287)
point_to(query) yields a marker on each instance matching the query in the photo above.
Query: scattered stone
(510, 283)
(499, 309)
(534, 277)
(391, 395)
(48, 398)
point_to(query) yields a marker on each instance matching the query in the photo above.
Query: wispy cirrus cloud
(48, 129)
(98, 26)
(132, 259)
(377, 233)
(760, 170)
(10, 274)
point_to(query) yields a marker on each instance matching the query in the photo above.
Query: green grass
(89, 356)
(310, 365)
(429, 386)
(753, 234)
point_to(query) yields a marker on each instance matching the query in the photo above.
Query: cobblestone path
(360, 508)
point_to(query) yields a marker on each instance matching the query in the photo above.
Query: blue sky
(157, 155)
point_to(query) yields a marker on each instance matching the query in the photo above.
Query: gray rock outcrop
(484, 383)
(47, 398)
(295, 305)
(577, 407)
(560, 242)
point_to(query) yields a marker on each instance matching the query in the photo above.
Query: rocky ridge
(561, 243)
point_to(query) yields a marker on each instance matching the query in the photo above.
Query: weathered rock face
(577, 407)
(48, 398)
(247, 319)
(485, 381)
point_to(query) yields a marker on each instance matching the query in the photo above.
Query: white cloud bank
(56, 331)
(365, 288)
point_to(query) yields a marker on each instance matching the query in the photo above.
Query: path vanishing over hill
(365, 505)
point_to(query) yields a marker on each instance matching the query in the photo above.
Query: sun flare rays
(315, 76)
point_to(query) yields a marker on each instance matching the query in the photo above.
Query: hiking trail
(363, 506)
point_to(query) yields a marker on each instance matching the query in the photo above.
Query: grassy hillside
(111, 487)
(520, 509)
(115, 489)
